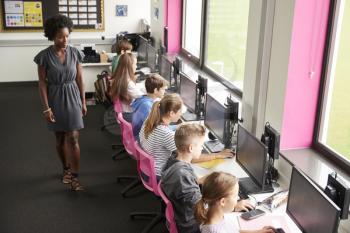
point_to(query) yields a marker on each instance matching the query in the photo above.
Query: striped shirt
(227, 225)
(160, 144)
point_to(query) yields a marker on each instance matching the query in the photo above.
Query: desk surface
(278, 216)
(95, 64)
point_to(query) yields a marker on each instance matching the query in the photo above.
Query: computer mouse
(279, 230)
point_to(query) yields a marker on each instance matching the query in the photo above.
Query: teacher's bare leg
(73, 151)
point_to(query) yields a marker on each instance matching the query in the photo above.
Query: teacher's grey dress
(62, 90)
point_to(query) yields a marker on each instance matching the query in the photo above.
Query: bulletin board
(30, 15)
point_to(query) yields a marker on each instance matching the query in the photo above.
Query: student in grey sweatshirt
(179, 181)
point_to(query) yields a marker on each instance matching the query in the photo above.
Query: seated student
(123, 45)
(157, 138)
(155, 87)
(124, 83)
(179, 181)
(219, 197)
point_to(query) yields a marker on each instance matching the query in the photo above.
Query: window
(225, 49)
(334, 124)
(192, 18)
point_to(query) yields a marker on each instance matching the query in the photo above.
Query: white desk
(90, 72)
(231, 166)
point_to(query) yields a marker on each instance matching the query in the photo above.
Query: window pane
(335, 131)
(192, 26)
(227, 39)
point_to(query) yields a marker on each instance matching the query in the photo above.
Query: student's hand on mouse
(49, 116)
(227, 153)
(244, 205)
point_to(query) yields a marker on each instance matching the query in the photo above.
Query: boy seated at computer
(155, 86)
(179, 181)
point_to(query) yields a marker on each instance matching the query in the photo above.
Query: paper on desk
(211, 164)
(276, 221)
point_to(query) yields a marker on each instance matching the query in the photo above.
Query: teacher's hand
(49, 116)
(84, 110)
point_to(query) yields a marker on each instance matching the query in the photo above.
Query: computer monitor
(309, 207)
(152, 57)
(188, 89)
(165, 68)
(215, 117)
(252, 156)
(142, 49)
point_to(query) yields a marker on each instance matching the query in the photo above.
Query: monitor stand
(248, 186)
(189, 116)
(214, 146)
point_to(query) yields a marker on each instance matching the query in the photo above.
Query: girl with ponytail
(219, 196)
(157, 139)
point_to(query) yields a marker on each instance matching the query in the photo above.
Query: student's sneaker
(67, 177)
(75, 185)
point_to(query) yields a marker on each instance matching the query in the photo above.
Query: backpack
(102, 88)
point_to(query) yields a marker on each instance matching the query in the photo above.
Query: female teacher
(62, 94)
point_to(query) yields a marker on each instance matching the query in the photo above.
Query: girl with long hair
(219, 197)
(157, 138)
(124, 81)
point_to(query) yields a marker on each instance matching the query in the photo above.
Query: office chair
(149, 180)
(169, 211)
(118, 109)
(129, 146)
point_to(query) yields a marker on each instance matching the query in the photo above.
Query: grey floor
(32, 198)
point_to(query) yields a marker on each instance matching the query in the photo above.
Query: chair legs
(137, 182)
(103, 127)
(156, 219)
(120, 154)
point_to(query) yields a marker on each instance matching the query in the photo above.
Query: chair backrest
(146, 170)
(117, 105)
(169, 211)
(127, 136)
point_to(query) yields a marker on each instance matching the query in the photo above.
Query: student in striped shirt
(157, 139)
(219, 197)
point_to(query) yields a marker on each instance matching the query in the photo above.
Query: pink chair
(117, 109)
(129, 146)
(149, 180)
(169, 211)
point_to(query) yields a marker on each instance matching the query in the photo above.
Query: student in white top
(157, 139)
(219, 197)
(124, 82)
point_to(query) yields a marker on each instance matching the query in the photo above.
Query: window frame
(322, 148)
(200, 62)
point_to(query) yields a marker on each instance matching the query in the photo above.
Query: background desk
(90, 72)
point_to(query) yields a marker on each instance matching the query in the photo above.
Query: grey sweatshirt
(181, 187)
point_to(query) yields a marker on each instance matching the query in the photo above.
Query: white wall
(18, 49)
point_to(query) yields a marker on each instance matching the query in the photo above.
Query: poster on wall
(121, 10)
(33, 14)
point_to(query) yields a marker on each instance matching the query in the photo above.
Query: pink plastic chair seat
(146, 167)
(169, 211)
(127, 136)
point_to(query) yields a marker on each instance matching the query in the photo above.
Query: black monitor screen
(142, 49)
(251, 155)
(215, 117)
(151, 57)
(309, 207)
(165, 68)
(188, 92)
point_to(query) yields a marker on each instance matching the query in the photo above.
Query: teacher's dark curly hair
(55, 23)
